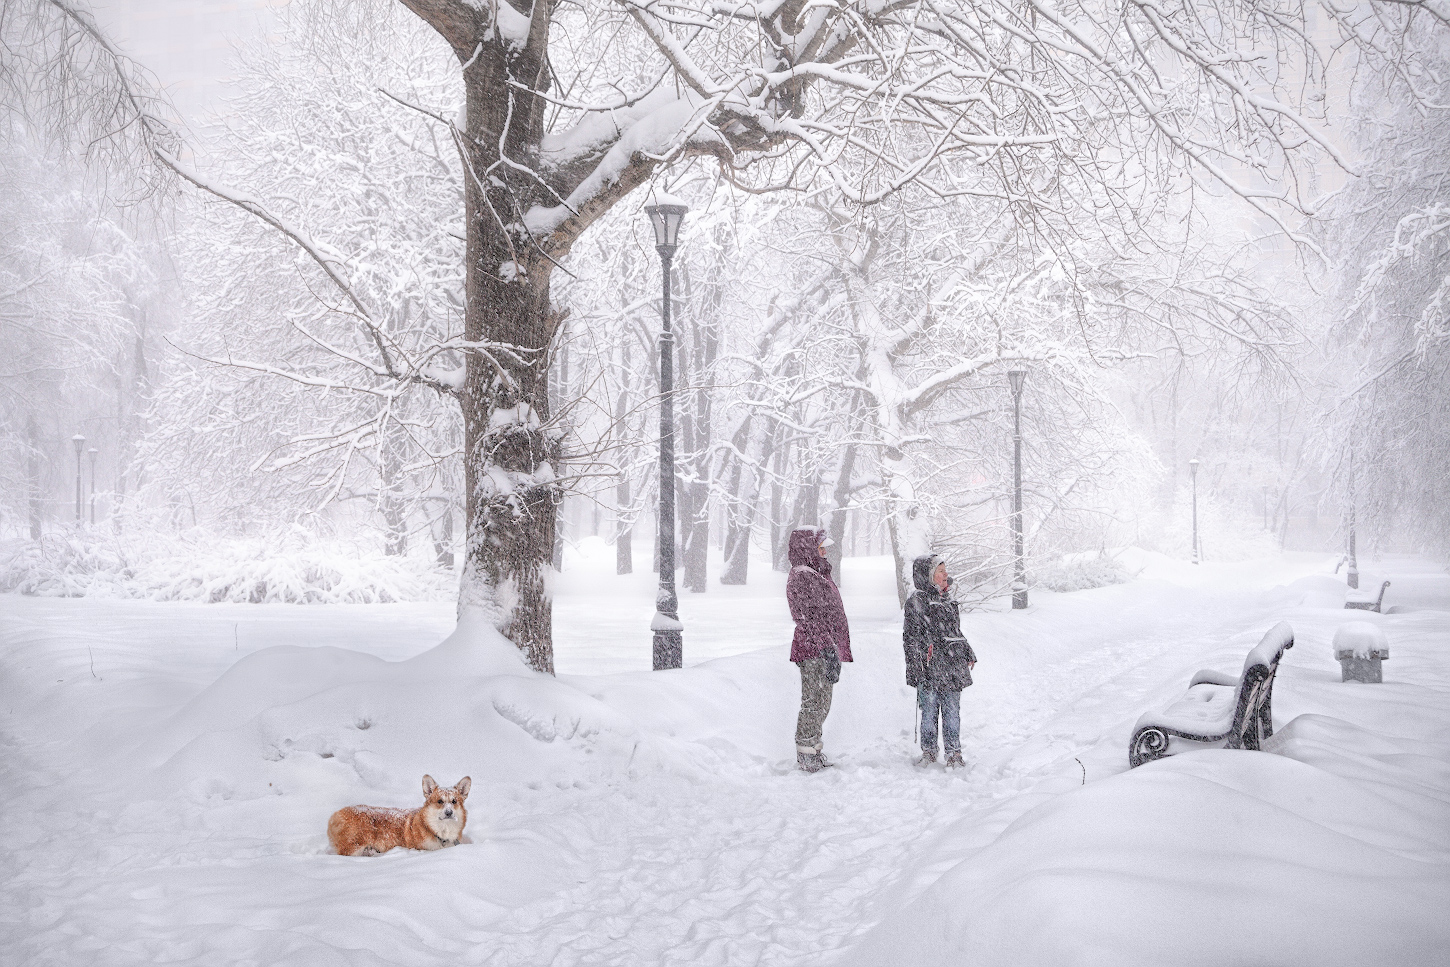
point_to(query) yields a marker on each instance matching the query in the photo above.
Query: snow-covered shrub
(1078, 572)
(290, 566)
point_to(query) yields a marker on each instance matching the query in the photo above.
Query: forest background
(260, 324)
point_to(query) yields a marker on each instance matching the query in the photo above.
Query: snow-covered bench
(1359, 647)
(1218, 711)
(1364, 602)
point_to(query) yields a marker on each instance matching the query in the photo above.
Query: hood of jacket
(804, 549)
(921, 571)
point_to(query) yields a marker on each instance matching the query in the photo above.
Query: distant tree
(1384, 430)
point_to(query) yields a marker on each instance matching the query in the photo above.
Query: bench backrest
(1253, 717)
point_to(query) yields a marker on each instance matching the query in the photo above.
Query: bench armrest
(1210, 677)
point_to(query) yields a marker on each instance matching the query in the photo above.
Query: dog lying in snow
(370, 830)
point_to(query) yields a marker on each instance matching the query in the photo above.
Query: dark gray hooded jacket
(937, 654)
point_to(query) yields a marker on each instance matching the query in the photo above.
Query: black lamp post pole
(669, 644)
(1019, 573)
(79, 441)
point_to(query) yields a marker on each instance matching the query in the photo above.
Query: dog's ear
(463, 786)
(429, 786)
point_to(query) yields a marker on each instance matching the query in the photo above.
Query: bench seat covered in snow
(1218, 711)
(1359, 647)
(1365, 603)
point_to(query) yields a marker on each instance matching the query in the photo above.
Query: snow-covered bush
(1078, 572)
(289, 567)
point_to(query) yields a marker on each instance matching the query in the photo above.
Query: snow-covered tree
(1082, 107)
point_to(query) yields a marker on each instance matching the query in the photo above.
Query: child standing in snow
(822, 639)
(938, 658)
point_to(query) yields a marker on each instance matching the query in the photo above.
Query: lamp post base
(669, 650)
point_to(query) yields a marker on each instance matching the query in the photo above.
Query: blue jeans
(949, 706)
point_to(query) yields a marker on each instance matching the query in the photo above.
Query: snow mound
(1360, 639)
(1208, 858)
(290, 719)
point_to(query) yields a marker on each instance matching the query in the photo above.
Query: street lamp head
(79, 441)
(665, 215)
(1015, 378)
(1193, 466)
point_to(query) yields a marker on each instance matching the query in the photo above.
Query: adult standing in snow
(822, 639)
(938, 658)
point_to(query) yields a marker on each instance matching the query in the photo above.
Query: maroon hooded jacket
(815, 603)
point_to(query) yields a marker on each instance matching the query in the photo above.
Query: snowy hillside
(170, 768)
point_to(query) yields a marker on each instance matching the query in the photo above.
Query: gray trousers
(816, 688)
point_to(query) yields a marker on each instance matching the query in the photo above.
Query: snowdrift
(175, 766)
(1314, 855)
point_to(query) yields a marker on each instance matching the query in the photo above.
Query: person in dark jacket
(938, 658)
(822, 639)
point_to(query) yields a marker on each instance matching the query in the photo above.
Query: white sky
(187, 44)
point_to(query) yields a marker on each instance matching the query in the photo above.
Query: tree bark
(511, 453)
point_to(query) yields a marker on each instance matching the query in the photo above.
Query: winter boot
(928, 757)
(954, 760)
(808, 759)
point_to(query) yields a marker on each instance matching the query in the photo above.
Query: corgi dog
(370, 830)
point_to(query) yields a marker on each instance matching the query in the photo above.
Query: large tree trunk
(510, 452)
(510, 455)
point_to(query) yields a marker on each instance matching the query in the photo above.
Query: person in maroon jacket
(822, 639)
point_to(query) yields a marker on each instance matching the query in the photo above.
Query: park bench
(1359, 647)
(1366, 603)
(1218, 711)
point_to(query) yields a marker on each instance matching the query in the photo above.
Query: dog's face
(443, 808)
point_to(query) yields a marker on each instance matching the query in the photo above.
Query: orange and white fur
(369, 830)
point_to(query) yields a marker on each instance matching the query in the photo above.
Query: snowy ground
(168, 771)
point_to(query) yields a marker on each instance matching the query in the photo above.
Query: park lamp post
(1353, 577)
(1193, 474)
(93, 451)
(665, 216)
(79, 441)
(1015, 378)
